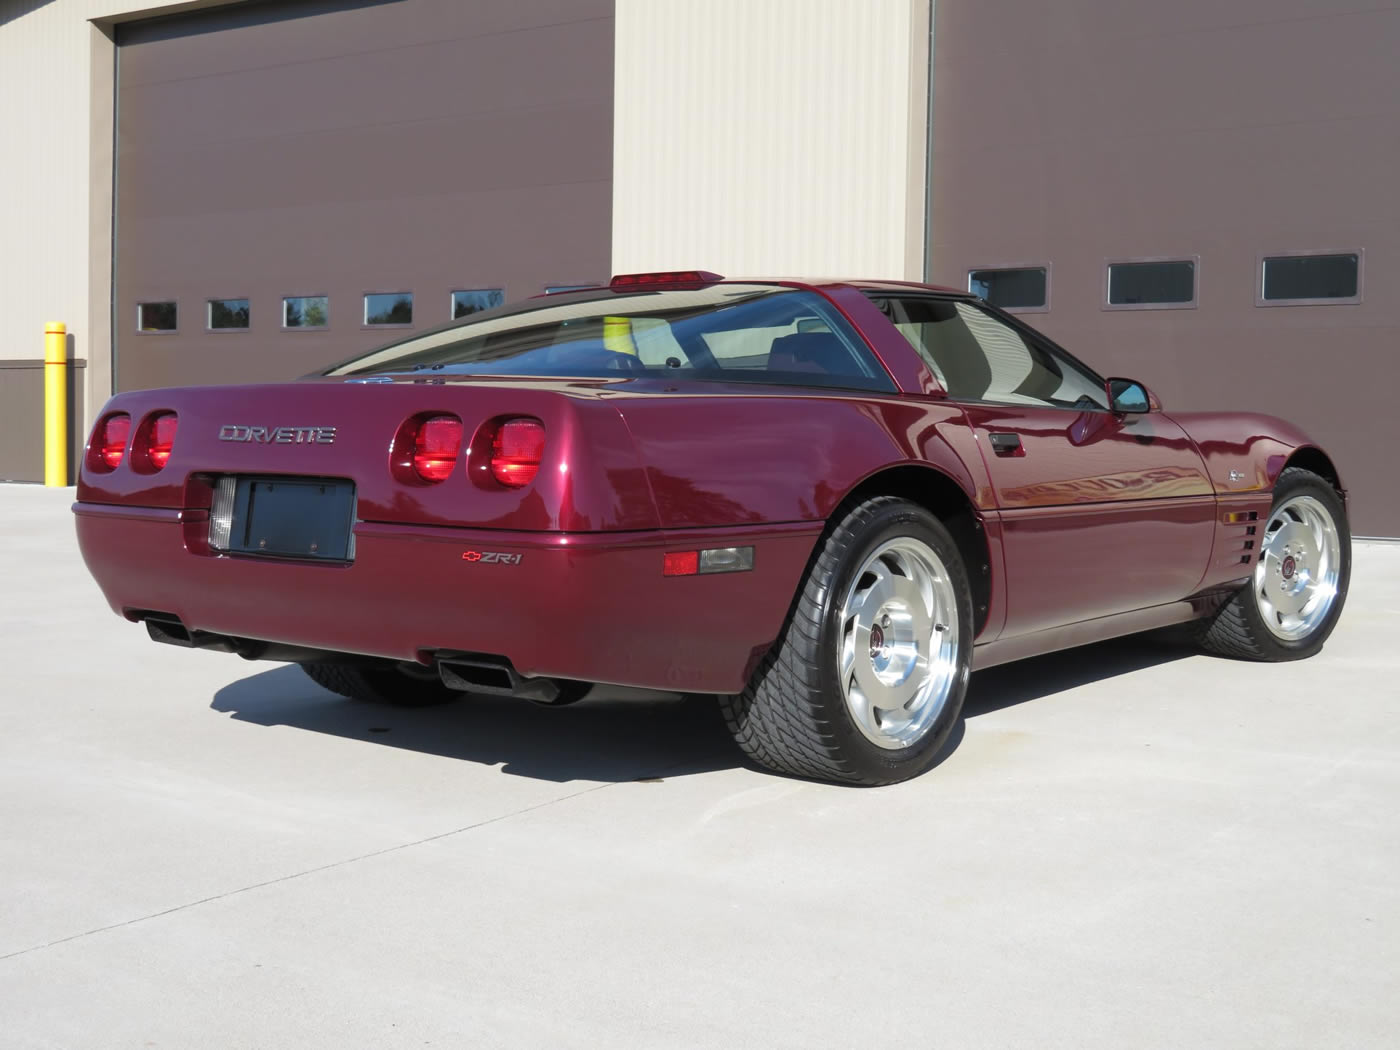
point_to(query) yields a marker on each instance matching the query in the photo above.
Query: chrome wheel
(1299, 565)
(898, 658)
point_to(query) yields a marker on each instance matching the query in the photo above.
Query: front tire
(1301, 577)
(868, 678)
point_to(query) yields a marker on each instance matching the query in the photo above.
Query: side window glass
(977, 357)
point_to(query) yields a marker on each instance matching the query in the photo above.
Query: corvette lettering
(278, 435)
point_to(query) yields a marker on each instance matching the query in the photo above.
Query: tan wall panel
(773, 137)
(48, 182)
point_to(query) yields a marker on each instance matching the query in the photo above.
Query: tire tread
(777, 720)
(1230, 631)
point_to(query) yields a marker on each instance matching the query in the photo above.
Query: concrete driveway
(1130, 845)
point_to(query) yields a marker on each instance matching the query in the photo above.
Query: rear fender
(714, 461)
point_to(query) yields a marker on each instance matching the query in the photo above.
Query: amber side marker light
(703, 563)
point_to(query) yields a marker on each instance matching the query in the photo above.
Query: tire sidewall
(868, 760)
(1305, 483)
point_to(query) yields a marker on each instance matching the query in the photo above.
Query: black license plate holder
(304, 518)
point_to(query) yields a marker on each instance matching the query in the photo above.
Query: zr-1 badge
(492, 557)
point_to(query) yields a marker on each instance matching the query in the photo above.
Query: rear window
(726, 332)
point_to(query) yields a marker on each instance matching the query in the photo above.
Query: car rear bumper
(587, 606)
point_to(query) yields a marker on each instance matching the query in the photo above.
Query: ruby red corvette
(826, 502)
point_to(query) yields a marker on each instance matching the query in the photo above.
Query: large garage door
(298, 181)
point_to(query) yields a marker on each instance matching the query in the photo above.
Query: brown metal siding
(335, 149)
(1073, 134)
(22, 409)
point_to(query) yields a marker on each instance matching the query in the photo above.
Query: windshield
(725, 332)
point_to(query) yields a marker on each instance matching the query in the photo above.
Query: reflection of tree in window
(466, 303)
(228, 313)
(305, 312)
(388, 309)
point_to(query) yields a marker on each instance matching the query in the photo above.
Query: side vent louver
(1235, 537)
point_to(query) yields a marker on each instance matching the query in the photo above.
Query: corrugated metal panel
(774, 137)
(1194, 129)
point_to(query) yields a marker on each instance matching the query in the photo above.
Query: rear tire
(867, 680)
(1301, 577)
(379, 683)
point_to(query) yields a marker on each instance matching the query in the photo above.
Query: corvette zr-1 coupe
(825, 502)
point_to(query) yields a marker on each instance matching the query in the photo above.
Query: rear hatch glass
(724, 332)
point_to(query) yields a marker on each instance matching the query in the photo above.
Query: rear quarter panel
(762, 457)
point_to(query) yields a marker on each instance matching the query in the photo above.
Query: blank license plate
(293, 518)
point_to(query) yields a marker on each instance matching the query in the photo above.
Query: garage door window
(1304, 278)
(155, 317)
(1151, 284)
(228, 315)
(1025, 288)
(474, 301)
(306, 311)
(388, 309)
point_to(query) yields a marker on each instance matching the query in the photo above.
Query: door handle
(1006, 444)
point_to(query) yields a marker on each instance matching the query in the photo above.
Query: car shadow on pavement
(622, 735)
(1010, 684)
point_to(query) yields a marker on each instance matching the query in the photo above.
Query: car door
(1102, 513)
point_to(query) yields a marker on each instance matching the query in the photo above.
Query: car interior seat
(821, 352)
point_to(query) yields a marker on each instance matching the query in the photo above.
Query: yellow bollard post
(55, 404)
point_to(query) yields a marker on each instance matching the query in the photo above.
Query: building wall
(782, 136)
(342, 147)
(53, 64)
(1069, 134)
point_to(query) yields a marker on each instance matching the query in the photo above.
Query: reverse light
(109, 442)
(160, 439)
(221, 512)
(516, 451)
(667, 279)
(435, 447)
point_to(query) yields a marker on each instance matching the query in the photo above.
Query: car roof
(863, 283)
(904, 286)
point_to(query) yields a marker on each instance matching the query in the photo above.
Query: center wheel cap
(877, 640)
(1288, 567)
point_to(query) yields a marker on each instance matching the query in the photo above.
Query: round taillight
(435, 446)
(161, 439)
(516, 451)
(110, 440)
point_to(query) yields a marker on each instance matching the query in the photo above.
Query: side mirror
(1129, 397)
